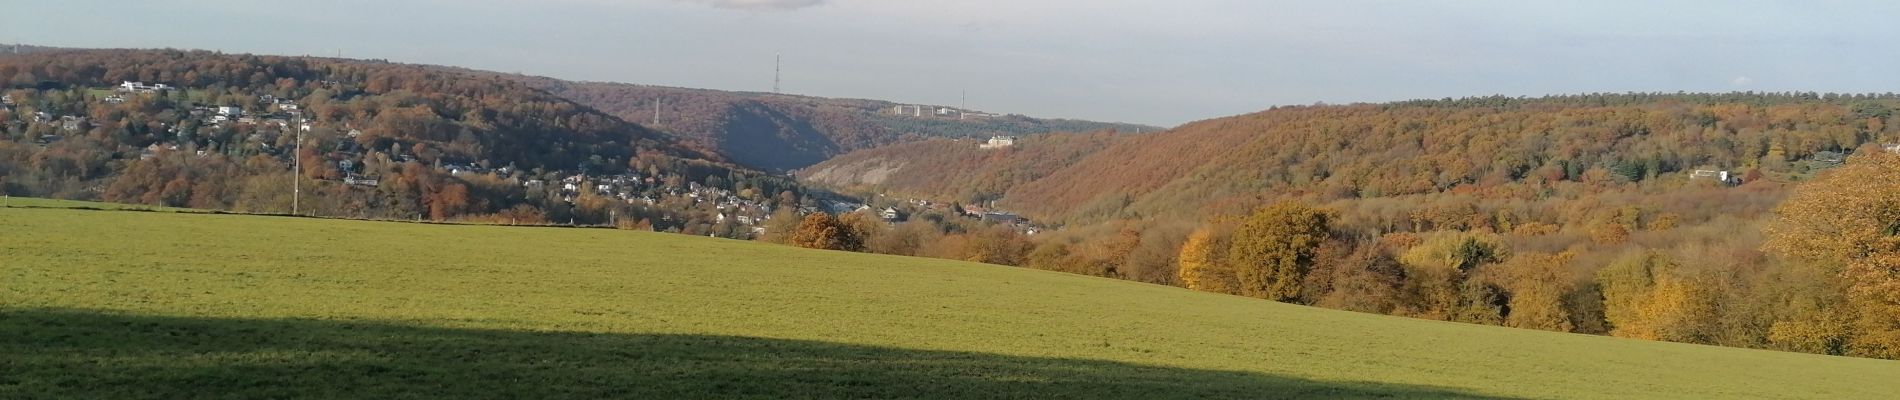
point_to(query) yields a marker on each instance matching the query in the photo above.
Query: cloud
(760, 4)
(1741, 81)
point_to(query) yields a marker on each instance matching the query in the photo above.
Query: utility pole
(296, 167)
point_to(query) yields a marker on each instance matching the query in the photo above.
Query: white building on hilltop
(997, 142)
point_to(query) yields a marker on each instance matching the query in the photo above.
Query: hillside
(1698, 218)
(785, 132)
(379, 140)
(223, 306)
(1491, 147)
(958, 168)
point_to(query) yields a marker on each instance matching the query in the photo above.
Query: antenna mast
(777, 60)
(656, 110)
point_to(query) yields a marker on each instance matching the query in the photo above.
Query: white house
(230, 111)
(997, 142)
(1719, 176)
(1893, 147)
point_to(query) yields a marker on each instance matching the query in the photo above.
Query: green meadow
(161, 305)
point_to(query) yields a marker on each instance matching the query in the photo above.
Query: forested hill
(785, 132)
(213, 130)
(1751, 220)
(1490, 147)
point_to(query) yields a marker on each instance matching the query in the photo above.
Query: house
(1002, 218)
(1723, 177)
(115, 99)
(355, 180)
(6, 99)
(891, 214)
(744, 220)
(945, 110)
(141, 87)
(230, 111)
(1892, 147)
(72, 123)
(534, 184)
(1829, 157)
(998, 142)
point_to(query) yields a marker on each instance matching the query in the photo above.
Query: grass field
(104, 304)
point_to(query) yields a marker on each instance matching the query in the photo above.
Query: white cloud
(760, 4)
(1741, 81)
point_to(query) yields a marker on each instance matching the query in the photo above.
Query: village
(274, 127)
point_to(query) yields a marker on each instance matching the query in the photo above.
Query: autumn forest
(1760, 220)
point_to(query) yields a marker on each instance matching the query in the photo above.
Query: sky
(1149, 61)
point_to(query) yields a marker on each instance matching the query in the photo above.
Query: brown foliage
(821, 231)
(1274, 247)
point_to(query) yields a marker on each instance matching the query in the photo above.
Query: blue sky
(1156, 62)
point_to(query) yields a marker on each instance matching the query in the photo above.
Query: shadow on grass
(83, 354)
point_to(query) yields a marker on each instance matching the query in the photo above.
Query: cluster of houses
(917, 110)
(635, 189)
(278, 113)
(973, 212)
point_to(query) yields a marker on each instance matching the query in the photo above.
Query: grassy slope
(162, 305)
